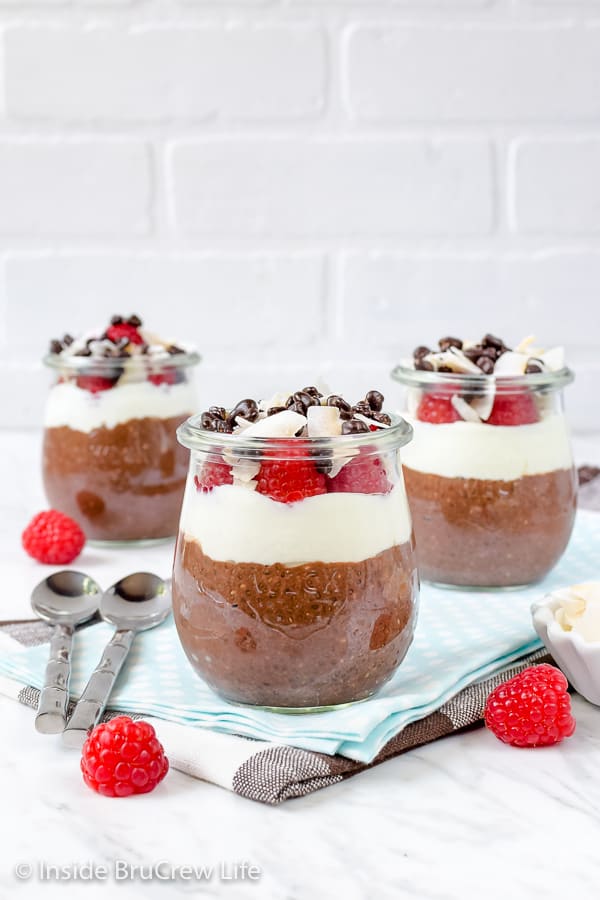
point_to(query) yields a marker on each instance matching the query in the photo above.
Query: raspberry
(212, 475)
(167, 376)
(53, 538)
(95, 383)
(122, 757)
(514, 409)
(290, 480)
(533, 709)
(365, 474)
(436, 408)
(116, 332)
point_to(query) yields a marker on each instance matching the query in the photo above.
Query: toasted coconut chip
(455, 359)
(249, 485)
(323, 421)
(338, 463)
(370, 422)
(278, 399)
(554, 359)
(464, 410)
(511, 363)
(241, 425)
(483, 403)
(242, 468)
(283, 424)
(527, 346)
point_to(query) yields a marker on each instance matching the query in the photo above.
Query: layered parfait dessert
(489, 474)
(111, 459)
(294, 584)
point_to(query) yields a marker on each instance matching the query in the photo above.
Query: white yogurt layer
(235, 524)
(71, 406)
(489, 452)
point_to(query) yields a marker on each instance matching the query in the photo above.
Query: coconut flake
(463, 409)
(282, 424)
(527, 347)
(511, 363)
(323, 421)
(483, 403)
(278, 399)
(554, 359)
(249, 485)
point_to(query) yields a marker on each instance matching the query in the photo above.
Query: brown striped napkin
(272, 773)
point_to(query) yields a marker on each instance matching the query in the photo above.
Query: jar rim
(191, 435)
(481, 384)
(139, 363)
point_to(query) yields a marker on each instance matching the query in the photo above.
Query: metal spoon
(136, 603)
(65, 599)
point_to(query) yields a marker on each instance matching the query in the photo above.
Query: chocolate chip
(375, 400)
(135, 321)
(67, 340)
(342, 405)
(173, 350)
(144, 348)
(450, 342)
(116, 320)
(218, 412)
(492, 352)
(208, 421)
(363, 408)
(490, 340)
(297, 407)
(273, 410)
(473, 353)
(420, 352)
(533, 367)
(423, 366)
(85, 351)
(313, 391)
(247, 409)
(223, 427)
(486, 365)
(305, 399)
(354, 426)
(382, 417)
(55, 346)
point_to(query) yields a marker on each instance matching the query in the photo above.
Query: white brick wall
(301, 187)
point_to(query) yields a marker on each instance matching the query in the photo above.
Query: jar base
(481, 588)
(297, 710)
(128, 543)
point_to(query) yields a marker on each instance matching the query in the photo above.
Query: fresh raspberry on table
(53, 538)
(95, 383)
(115, 333)
(167, 376)
(436, 408)
(533, 709)
(122, 757)
(514, 409)
(365, 474)
(292, 479)
(212, 475)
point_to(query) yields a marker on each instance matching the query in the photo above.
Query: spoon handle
(54, 698)
(90, 705)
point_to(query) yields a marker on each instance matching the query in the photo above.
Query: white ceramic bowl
(578, 658)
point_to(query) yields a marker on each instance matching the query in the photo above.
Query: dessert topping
(299, 414)
(533, 709)
(489, 356)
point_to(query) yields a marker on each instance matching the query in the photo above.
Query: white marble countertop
(463, 818)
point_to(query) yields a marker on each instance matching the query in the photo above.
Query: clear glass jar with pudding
(489, 475)
(294, 583)
(111, 459)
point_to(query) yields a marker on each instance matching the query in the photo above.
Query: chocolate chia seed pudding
(121, 483)
(294, 582)
(489, 474)
(475, 532)
(312, 635)
(111, 459)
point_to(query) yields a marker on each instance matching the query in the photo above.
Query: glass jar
(111, 459)
(489, 475)
(303, 605)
